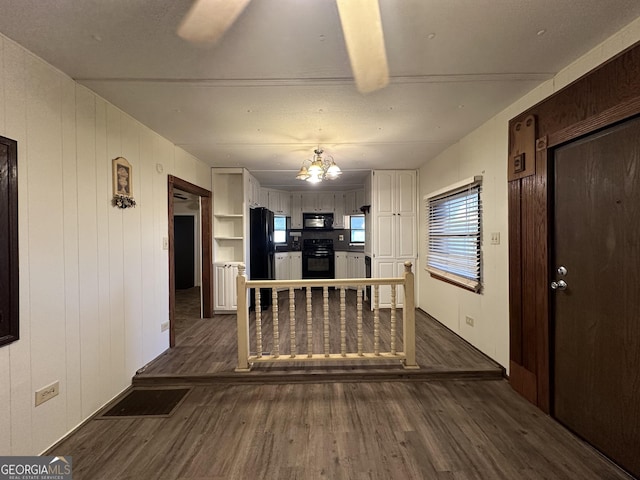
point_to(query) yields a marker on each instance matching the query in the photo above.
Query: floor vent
(146, 402)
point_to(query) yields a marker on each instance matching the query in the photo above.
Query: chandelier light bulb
(319, 168)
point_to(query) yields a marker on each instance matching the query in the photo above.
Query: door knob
(559, 285)
(562, 270)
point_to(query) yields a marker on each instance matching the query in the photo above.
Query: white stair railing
(246, 359)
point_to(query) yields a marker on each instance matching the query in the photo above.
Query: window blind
(454, 235)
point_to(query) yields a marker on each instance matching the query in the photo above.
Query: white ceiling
(279, 83)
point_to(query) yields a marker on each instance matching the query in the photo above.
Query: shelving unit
(229, 222)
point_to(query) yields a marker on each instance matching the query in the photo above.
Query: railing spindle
(292, 321)
(393, 319)
(242, 321)
(343, 323)
(325, 307)
(309, 324)
(359, 319)
(276, 331)
(258, 301)
(376, 324)
(409, 318)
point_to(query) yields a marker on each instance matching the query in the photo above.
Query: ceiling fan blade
(207, 20)
(362, 29)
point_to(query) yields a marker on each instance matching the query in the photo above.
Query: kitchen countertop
(285, 249)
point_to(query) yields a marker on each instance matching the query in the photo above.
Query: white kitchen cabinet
(296, 210)
(282, 266)
(338, 212)
(295, 265)
(353, 200)
(326, 202)
(355, 265)
(320, 202)
(279, 202)
(283, 270)
(225, 291)
(341, 265)
(253, 192)
(264, 197)
(394, 214)
(394, 227)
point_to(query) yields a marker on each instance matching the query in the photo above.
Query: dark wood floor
(206, 348)
(443, 428)
(451, 429)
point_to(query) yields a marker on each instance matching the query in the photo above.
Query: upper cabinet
(321, 202)
(394, 216)
(253, 191)
(353, 200)
(296, 210)
(279, 202)
(338, 212)
(394, 192)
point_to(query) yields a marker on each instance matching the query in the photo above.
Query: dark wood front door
(596, 317)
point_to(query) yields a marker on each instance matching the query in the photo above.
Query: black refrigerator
(262, 259)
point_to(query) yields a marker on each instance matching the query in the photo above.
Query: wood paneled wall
(608, 94)
(93, 278)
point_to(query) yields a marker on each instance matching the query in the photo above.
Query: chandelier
(319, 168)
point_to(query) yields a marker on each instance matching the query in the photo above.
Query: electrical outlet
(165, 243)
(495, 238)
(164, 327)
(47, 393)
(340, 238)
(470, 321)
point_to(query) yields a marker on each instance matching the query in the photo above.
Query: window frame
(279, 230)
(465, 266)
(363, 230)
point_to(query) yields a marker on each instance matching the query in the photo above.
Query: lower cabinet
(282, 266)
(355, 265)
(341, 265)
(349, 265)
(295, 265)
(224, 287)
(288, 266)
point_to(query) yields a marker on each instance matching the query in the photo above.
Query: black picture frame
(9, 297)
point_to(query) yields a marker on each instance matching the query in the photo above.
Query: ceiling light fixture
(319, 168)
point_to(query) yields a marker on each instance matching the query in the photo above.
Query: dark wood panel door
(596, 316)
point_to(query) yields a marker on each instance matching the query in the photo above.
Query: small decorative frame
(122, 183)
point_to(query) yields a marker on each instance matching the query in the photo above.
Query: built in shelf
(227, 238)
(228, 215)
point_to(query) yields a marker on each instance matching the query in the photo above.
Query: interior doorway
(595, 284)
(200, 270)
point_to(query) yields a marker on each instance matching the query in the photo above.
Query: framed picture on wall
(122, 177)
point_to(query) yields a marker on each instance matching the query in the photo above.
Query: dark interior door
(596, 316)
(184, 238)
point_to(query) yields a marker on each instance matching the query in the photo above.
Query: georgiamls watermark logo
(35, 468)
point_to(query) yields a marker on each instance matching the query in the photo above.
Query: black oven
(317, 258)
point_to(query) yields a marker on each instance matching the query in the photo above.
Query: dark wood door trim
(207, 254)
(603, 97)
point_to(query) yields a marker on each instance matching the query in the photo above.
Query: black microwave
(317, 221)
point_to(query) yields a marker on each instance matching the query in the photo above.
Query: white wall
(484, 152)
(93, 278)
